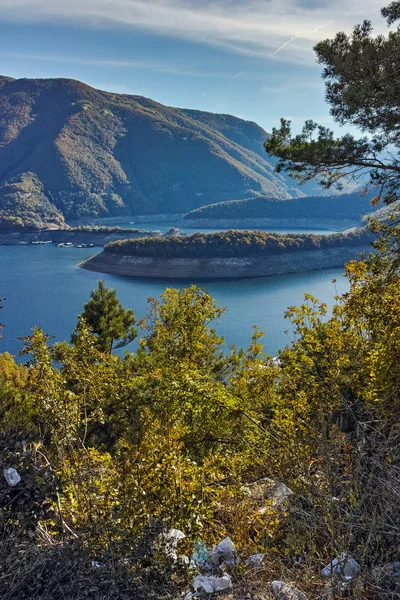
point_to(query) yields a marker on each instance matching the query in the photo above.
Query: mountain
(24, 204)
(68, 151)
(346, 208)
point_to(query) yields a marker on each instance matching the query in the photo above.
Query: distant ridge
(332, 212)
(70, 151)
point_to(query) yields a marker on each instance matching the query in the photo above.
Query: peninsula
(228, 255)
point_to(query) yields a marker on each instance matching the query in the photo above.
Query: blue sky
(250, 58)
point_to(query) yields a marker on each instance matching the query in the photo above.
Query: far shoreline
(73, 232)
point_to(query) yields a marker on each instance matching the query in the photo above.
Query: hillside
(233, 244)
(23, 205)
(345, 207)
(94, 153)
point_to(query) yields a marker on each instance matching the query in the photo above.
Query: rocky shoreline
(222, 268)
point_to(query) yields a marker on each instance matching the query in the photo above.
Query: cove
(43, 286)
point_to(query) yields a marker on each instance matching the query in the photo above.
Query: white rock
(267, 489)
(286, 591)
(280, 493)
(169, 542)
(210, 584)
(11, 476)
(255, 560)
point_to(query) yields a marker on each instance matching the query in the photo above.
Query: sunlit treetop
(362, 75)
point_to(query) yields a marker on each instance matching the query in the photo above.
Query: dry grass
(68, 572)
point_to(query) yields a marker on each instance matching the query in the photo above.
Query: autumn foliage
(111, 449)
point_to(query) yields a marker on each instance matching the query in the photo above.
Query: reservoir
(43, 286)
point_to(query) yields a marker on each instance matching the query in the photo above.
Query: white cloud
(255, 27)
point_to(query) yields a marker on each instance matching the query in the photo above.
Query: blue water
(43, 286)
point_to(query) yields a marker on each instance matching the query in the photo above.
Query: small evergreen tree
(108, 319)
(361, 72)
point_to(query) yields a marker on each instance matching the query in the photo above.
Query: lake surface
(43, 286)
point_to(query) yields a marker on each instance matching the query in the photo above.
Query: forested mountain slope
(94, 153)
